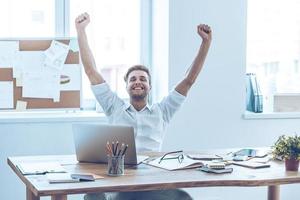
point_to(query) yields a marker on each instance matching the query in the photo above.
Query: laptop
(90, 142)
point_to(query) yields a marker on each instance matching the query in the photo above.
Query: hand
(205, 32)
(82, 21)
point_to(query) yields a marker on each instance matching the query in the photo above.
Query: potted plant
(287, 148)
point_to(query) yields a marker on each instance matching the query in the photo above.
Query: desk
(148, 178)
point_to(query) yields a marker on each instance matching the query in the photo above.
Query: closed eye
(143, 78)
(132, 79)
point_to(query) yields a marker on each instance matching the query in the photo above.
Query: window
(114, 37)
(116, 32)
(273, 46)
(30, 18)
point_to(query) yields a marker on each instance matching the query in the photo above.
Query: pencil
(116, 149)
(121, 149)
(109, 148)
(113, 148)
(124, 151)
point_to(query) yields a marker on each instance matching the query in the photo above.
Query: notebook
(251, 164)
(61, 178)
(173, 164)
(71, 177)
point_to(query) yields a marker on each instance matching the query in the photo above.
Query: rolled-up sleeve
(108, 100)
(170, 104)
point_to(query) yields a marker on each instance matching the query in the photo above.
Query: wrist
(80, 30)
(206, 41)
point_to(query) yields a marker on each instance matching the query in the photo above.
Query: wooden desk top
(145, 177)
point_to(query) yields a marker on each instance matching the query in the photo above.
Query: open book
(174, 164)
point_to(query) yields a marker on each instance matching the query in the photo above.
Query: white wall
(212, 115)
(29, 139)
(210, 118)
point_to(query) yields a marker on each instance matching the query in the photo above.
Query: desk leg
(30, 195)
(273, 192)
(59, 197)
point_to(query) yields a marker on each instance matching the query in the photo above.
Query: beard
(138, 97)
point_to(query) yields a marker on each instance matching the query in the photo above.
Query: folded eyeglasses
(172, 155)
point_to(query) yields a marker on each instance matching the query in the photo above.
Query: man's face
(138, 85)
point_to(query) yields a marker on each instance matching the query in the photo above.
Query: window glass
(273, 46)
(30, 18)
(114, 37)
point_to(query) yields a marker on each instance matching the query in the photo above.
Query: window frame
(62, 29)
(269, 67)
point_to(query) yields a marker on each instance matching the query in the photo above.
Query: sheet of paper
(56, 55)
(70, 78)
(19, 81)
(27, 61)
(7, 52)
(40, 168)
(74, 45)
(21, 105)
(6, 94)
(41, 85)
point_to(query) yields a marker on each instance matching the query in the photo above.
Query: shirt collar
(128, 106)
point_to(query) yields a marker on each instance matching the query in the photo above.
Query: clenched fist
(205, 32)
(82, 21)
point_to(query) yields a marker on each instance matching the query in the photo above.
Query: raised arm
(192, 73)
(86, 55)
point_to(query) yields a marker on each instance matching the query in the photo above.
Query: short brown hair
(137, 67)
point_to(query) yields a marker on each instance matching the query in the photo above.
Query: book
(174, 164)
(35, 168)
(254, 97)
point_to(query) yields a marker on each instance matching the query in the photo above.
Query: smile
(137, 88)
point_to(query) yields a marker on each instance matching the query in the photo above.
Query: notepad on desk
(204, 157)
(174, 164)
(61, 178)
(35, 168)
(71, 177)
(252, 164)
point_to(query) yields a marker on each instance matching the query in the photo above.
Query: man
(149, 122)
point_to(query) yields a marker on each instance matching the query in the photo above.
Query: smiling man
(149, 122)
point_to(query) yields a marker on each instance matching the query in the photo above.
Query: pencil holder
(115, 165)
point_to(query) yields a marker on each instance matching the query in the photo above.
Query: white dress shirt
(149, 123)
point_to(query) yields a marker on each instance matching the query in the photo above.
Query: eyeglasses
(167, 156)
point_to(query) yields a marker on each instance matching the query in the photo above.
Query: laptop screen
(90, 142)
